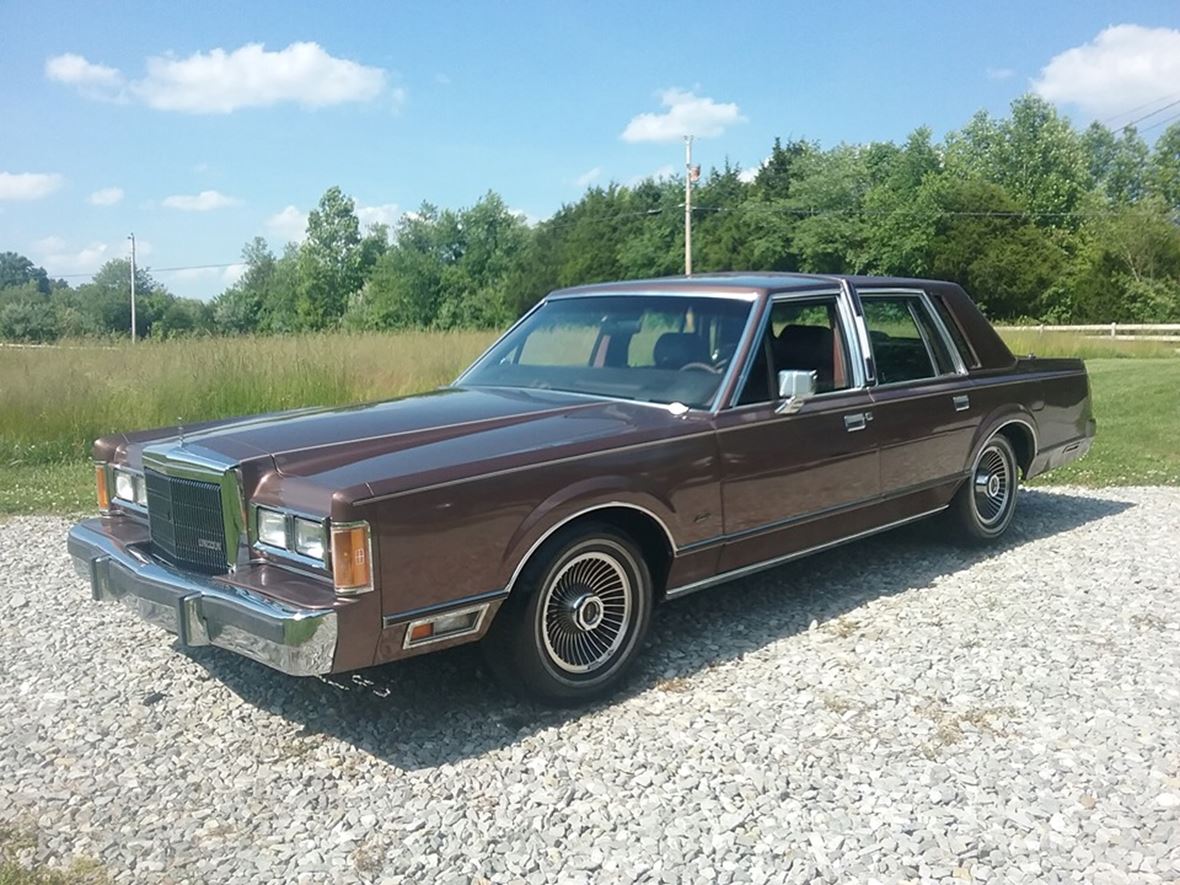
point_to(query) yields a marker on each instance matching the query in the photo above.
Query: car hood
(447, 434)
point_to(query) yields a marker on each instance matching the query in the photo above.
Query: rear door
(786, 479)
(921, 403)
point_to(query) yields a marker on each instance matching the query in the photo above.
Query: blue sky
(163, 119)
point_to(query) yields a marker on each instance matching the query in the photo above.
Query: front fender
(573, 502)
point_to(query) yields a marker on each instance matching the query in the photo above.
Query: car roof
(738, 282)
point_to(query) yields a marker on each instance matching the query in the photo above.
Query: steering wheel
(700, 367)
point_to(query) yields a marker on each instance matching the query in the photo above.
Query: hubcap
(993, 485)
(586, 611)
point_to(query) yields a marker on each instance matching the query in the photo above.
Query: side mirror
(795, 387)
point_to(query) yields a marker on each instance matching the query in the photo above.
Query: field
(55, 401)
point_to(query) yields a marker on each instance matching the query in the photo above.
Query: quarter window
(906, 343)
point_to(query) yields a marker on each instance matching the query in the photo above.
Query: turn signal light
(352, 558)
(100, 482)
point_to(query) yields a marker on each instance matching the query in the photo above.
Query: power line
(1139, 107)
(71, 276)
(1170, 104)
(1163, 122)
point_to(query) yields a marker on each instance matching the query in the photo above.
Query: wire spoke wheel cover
(586, 612)
(992, 485)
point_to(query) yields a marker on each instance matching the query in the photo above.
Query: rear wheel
(576, 618)
(982, 509)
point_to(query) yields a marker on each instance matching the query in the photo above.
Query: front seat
(675, 350)
(807, 348)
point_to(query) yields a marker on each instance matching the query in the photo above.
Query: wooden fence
(1118, 331)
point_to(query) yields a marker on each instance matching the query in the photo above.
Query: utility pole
(132, 239)
(688, 205)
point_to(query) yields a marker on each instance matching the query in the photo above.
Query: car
(622, 445)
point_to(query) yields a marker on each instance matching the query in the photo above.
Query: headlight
(272, 528)
(309, 538)
(140, 491)
(124, 485)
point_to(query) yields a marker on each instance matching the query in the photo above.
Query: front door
(786, 479)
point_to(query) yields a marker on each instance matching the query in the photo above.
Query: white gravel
(898, 709)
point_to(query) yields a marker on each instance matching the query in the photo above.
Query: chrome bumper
(204, 611)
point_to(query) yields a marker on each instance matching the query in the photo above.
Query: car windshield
(652, 348)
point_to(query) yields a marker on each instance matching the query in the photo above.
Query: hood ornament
(180, 432)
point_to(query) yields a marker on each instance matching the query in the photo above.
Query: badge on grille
(208, 544)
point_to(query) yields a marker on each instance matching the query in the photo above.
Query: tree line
(1037, 220)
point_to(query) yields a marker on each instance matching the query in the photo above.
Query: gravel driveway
(895, 709)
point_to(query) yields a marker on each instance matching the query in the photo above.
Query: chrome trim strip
(739, 293)
(298, 641)
(867, 360)
(408, 643)
(553, 529)
(441, 608)
(821, 513)
(782, 560)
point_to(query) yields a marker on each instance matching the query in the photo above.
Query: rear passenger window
(956, 333)
(906, 344)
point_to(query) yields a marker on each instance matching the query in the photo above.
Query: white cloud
(1000, 73)
(106, 196)
(92, 80)
(748, 175)
(289, 225)
(219, 82)
(1124, 66)
(659, 174)
(205, 201)
(386, 213)
(28, 185)
(584, 180)
(59, 258)
(687, 114)
(233, 273)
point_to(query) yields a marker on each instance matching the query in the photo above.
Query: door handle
(855, 422)
(962, 402)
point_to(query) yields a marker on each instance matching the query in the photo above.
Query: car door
(787, 478)
(921, 401)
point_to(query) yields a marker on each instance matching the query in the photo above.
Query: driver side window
(802, 334)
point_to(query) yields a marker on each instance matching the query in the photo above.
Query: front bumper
(203, 610)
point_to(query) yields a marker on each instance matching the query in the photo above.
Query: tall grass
(1054, 344)
(55, 401)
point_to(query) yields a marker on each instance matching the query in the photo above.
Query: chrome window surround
(920, 295)
(726, 377)
(320, 565)
(195, 462)
(852, 344)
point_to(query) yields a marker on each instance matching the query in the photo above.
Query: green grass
(1137, 404)
(55, 401)
(15, 841)
(1050, 344)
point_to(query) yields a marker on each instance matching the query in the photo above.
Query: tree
(330, 261)
(1164, 170)
(17, 270)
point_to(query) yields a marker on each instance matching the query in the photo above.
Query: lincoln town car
(622, 445)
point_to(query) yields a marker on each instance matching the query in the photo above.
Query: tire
(982, 509)
(575, 620)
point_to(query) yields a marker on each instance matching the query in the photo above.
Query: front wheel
(576, 618)
(982, 509)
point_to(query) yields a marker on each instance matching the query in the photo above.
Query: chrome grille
(185, 522)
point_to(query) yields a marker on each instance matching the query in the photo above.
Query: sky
(198, 128)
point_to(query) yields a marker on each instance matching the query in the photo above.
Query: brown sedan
(622, 445)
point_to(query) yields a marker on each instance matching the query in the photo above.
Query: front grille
(184, 519)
